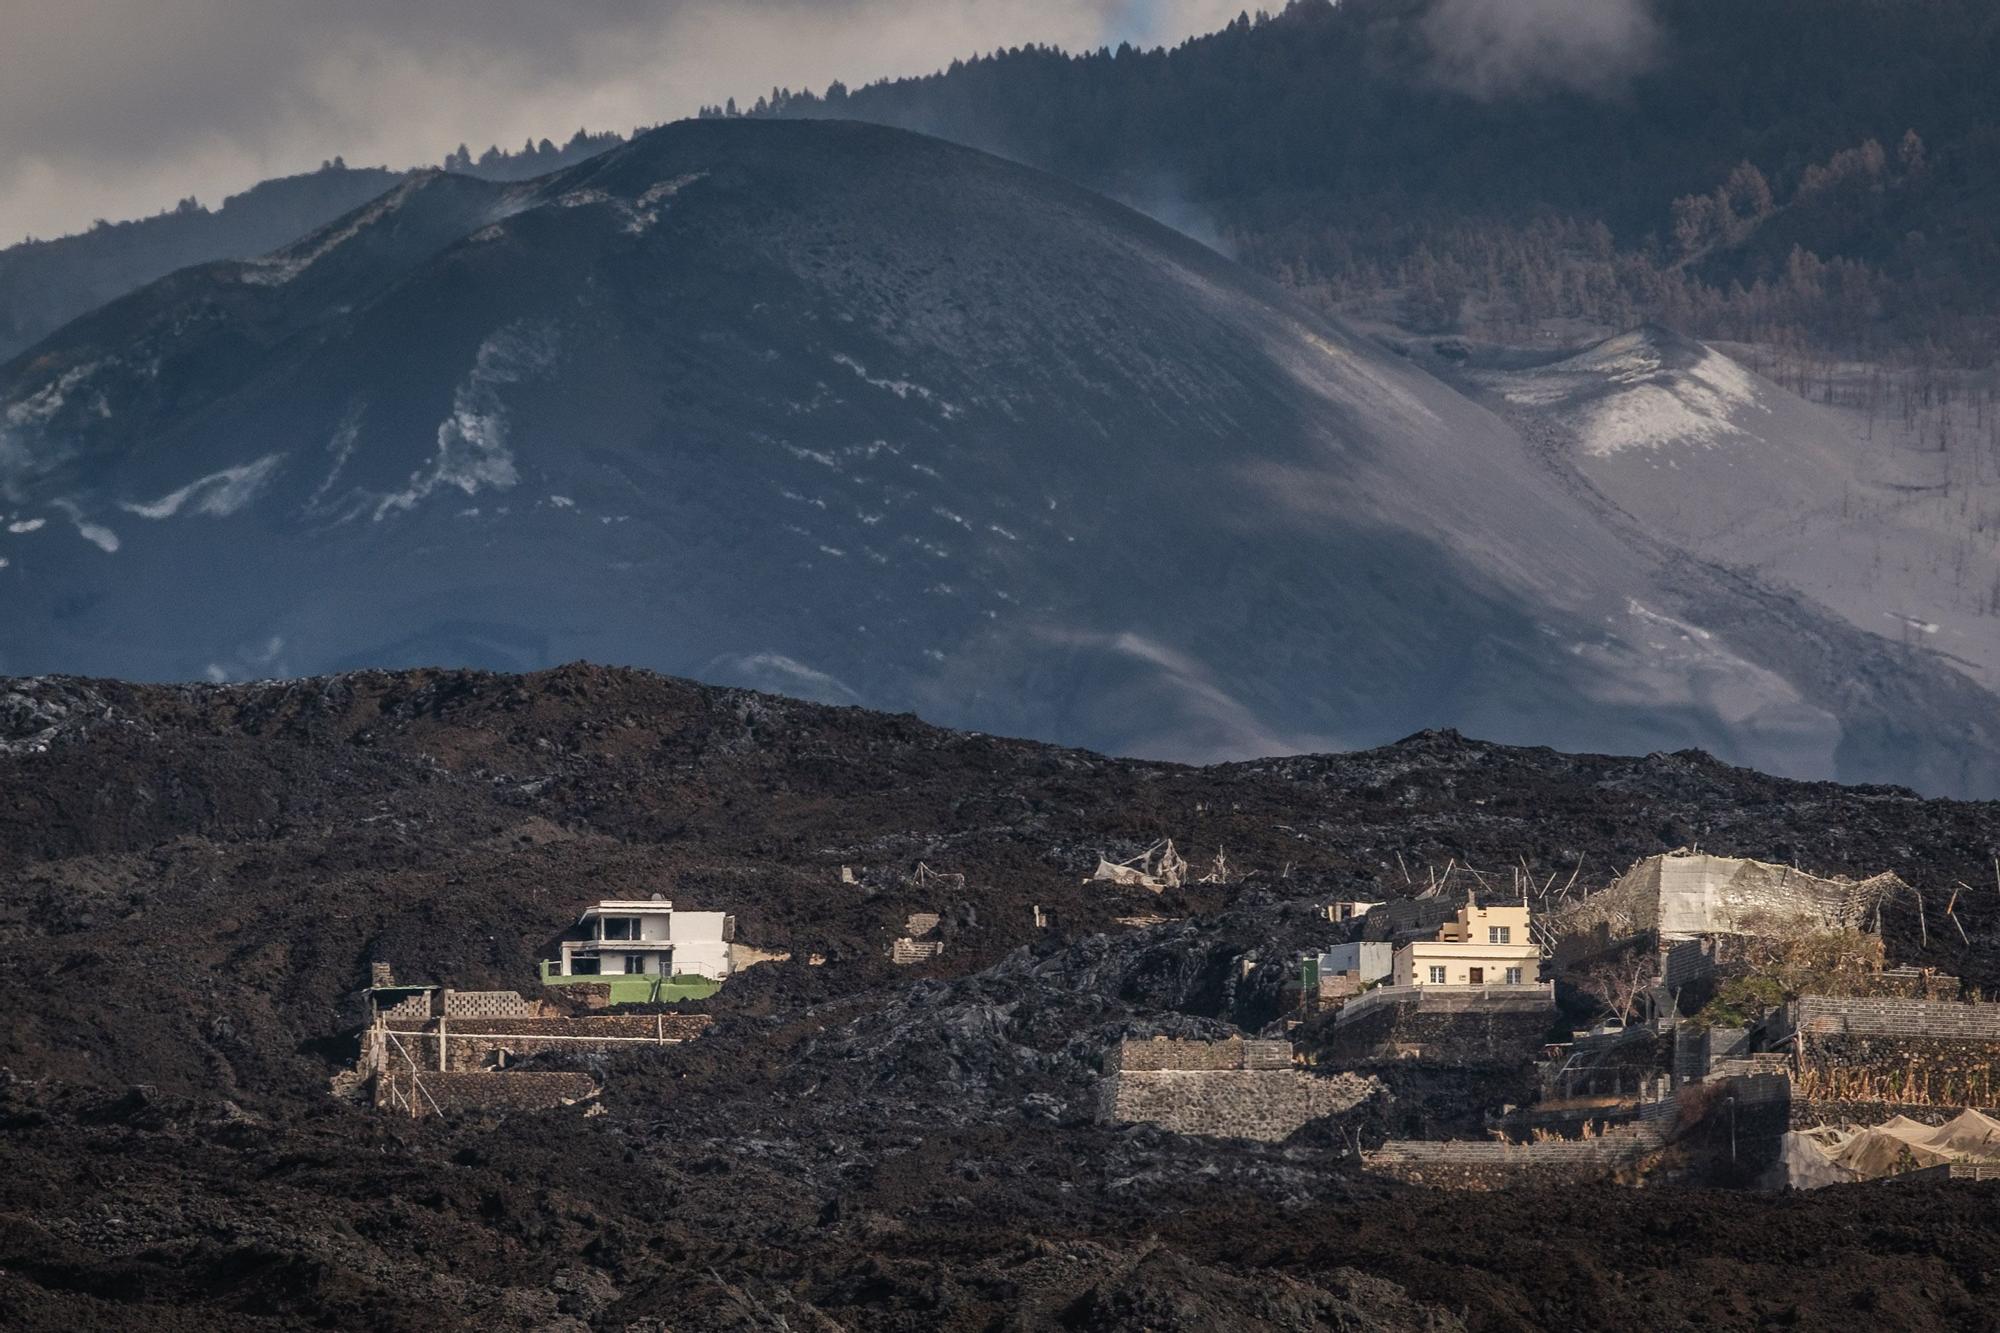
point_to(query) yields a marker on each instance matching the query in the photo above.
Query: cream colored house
(1484, 946)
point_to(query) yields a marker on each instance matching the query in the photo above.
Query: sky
(118, 108)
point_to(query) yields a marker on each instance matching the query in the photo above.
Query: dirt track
(192, 880)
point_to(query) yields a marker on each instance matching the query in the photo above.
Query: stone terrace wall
(434, 1093)
(1453, 1026)
(1924, 1070)
(1228, 1089)
(1808, 1114)
(1884, 1016)
(1489, 1165)
(1233, 1053)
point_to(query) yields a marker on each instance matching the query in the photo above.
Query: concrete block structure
(1366, 961)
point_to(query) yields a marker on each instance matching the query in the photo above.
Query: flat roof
(630, 905)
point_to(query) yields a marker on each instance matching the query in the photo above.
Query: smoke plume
(1502, 48)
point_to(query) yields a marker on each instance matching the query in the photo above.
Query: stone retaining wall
(1233, 1053)
(1228, 1089)
(1472, 1164)
(1452, 1025)
(434, 1093)
(1883, 1016)
(1811, 1114)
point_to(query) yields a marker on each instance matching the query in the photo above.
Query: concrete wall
(701, 958)
(1227, 1089)
(1370, 960)
(1414, 962)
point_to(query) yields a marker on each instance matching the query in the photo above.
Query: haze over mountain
(863, 416)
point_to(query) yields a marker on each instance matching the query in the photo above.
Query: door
(1476, 976)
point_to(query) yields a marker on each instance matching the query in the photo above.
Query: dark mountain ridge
(838, 410)
(45, 284)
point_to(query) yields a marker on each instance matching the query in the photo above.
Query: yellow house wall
(1414, 961)
(1472, 924)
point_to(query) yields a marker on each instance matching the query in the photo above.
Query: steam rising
(1500, 48)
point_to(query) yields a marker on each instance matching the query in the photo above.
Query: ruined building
(1685, 895)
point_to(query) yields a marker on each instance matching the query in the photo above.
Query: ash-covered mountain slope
(860, 415)
(1880, 499)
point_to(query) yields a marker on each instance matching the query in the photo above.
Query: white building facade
(634, 937)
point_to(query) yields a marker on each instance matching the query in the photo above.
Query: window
(1437, 976)
(583, 967)
(1499, 934)
(635, 963)
(621, 928)
(1513, 976)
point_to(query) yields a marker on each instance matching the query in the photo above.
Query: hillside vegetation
(1820, 172)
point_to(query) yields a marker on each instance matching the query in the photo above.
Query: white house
(634, 937)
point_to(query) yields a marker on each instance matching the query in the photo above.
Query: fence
(1450, 999)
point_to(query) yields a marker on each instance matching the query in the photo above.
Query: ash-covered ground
(193, 879)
